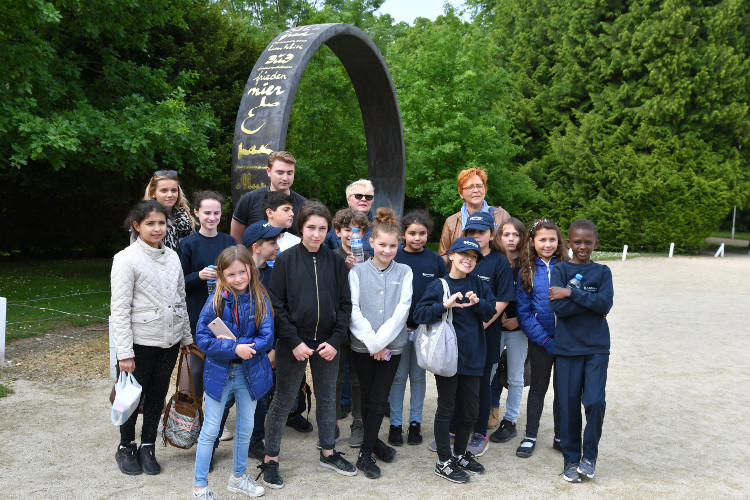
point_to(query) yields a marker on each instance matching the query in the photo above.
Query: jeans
(289, 374)
(376, 378)
(465, 388)
(243, 427)
(516, 347)
(259, 426)
(345, 356)
(541, 368)
(581, 381)
(408, 367)
(153, 368)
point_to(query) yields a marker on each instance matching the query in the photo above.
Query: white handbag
(436, 344)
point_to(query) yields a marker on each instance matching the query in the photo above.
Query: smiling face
(473, 192)
(384, 249)
(345, 235)
(545, 243)
(281, 174)
(152, 228)
(209, 215)
(462, 263)
(415, 237)
(167, 192)
(511, 239)
(237, 276)
(314, 232)
(582, 242)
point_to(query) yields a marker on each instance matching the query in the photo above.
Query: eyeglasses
(367, 197)
(165, 173)
(474, 187)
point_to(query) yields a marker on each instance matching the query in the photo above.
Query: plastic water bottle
(211, 284)
(356, 243)
(575, 282)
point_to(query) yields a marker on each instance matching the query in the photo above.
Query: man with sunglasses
(359, 196)
(280, 171)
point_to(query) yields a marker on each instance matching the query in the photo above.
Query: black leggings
(375, 381)
(541, 369)
(153, 369)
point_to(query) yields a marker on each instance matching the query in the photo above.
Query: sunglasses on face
(367, 197)
(165, 173)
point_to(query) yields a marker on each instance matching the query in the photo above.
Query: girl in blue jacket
(544, 247)
(236, 366)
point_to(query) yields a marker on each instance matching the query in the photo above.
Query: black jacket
(310, 297)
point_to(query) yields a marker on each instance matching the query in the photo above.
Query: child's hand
(350, 260)
(452, 301)
(557, 293)
(302, 352)
(327, 351)
(127, 365)
(473, 298)
(272, 357)
(379, 356)
(509, 323)
(245, 351)
(185, 349)
(207, 274)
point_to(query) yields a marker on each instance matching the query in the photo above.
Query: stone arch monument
(263, 116)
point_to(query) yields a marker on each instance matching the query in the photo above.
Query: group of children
(288, 300)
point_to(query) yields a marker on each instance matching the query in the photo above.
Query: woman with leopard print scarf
(164, 187)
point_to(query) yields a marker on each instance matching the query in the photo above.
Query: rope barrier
(17, 302)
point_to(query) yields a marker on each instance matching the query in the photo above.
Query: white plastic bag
(127, 397)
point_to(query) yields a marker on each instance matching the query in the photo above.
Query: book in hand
(220, 330)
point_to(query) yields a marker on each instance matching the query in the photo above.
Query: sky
(407, 10)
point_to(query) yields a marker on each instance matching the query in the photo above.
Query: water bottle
(575, 282)
(211, 284)
(269, 263)
(356, 243)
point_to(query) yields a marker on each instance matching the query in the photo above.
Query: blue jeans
(408, 367)
(212, 426)
(516, 344)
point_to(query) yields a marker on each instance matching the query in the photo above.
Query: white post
(734, 216)
(3, 305)
(671, 250)
(624, 252)
(720, 251)
(112, 355)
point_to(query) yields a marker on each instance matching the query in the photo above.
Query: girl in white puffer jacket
(149, 324)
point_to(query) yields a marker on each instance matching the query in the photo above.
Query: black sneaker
(148, 460)
(338, 464)
(127, 460)
(557, 445)
(451, 471)
(526, 448)
(468, 463)
(366, 464)
(257, 450)
(415, 433)
(505, 432)
(300, 424)
(570, 472)
(395, 436)
(384, 452)
(586, 468)
(271, 474)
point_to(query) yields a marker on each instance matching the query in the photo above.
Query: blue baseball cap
(258, 230)
(480, 221)
(464, 244)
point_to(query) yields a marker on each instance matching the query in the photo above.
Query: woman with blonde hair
(164, 187)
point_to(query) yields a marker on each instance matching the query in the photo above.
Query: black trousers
(153, 369)
(541, 370)
(465, 388)
(375, 381)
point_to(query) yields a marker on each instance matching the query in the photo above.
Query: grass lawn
(48, 294)
(738, 235)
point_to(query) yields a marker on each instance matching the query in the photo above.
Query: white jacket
(148, 299)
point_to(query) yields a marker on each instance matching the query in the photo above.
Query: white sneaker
(245, 485)
(226, 435)
(204, 494)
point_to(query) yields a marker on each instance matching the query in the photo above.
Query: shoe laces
(272, 467)
(476, 439)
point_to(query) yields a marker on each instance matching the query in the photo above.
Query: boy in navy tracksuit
(581, 348)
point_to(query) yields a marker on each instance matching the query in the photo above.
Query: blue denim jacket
(220, 352)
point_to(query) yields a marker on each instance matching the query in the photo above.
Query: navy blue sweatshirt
(197, 252)
(494, 270)
(467, 321)
(581, 324)
(426, 266)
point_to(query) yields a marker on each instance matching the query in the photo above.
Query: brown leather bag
(183, 416)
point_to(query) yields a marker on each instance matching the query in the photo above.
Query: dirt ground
(676, 423)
